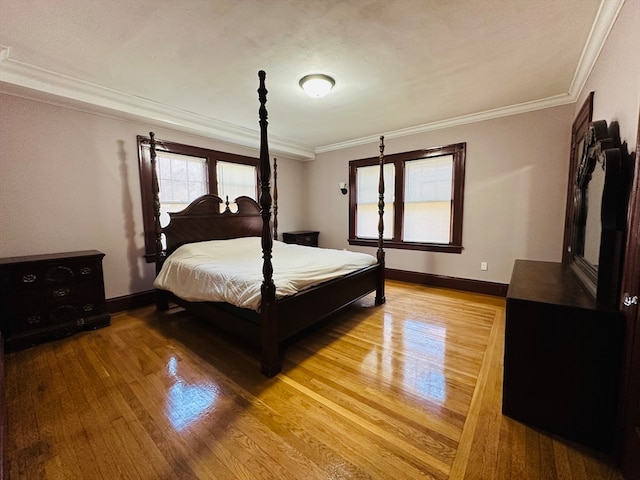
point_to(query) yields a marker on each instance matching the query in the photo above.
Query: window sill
(426, 247)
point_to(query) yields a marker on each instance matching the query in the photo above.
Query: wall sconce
(317, 85)
(343, 187)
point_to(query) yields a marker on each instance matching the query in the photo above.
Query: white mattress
(231, 270)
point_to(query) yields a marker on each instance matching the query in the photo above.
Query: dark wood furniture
(601, 248)
(563, 356)
(3, 408)
(49, 296)
(277, 320)
(597, 200)
(301, 237)
(630, 307)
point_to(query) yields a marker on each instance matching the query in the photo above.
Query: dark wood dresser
(43, 297)
(302, 237)
(3, 408)
(563, 356)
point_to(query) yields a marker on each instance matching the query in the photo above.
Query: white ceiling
(401, 66)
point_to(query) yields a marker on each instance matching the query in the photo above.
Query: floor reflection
(426, 371)
(186, 403)
(420, 368)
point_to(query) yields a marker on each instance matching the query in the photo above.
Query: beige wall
(69, 179)
(515, 187)
(70, 182)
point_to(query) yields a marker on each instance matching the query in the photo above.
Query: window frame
(211, 157)
(458, 151)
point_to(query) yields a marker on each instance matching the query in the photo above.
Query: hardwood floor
(411, 389)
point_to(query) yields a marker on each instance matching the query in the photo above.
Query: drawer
(71, 292)
(29, 319)
(307, 238)
(72, 272)
(33, 276)
(26, 318)
(64, 313)
(75, 311)
(26, 277)
(25, 310)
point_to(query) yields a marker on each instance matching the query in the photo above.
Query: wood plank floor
(408, 390)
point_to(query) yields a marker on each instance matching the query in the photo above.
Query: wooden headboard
(202, 220)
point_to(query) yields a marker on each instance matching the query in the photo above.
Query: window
(236, 180)
(184, 174)
(367, 204)
(181, 179)
(423, 199)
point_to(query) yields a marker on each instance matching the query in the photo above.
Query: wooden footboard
(291, 315)
(299, 312)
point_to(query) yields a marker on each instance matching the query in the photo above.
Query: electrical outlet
(484, 266)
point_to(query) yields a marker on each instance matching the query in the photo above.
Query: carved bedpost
(380, 297)
(275, 198)
(162, 302)
(270, 363)
(155, 190)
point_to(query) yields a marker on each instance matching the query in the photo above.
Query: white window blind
(181, 179)
(367, 179)
(427, 200)
(236, 180)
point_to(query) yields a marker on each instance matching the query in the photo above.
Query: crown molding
(550, 102)
(35, 81)
(602, 25)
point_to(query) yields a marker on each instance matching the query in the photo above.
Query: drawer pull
(85, 271)
(33, 319)
(88, 307)
(29, 278)
(61, 292)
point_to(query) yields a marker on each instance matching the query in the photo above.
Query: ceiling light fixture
(317, 85)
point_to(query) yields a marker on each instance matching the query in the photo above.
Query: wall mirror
(596, 206)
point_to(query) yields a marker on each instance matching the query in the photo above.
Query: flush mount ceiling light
(317, 85)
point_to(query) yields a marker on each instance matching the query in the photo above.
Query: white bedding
(231, 270)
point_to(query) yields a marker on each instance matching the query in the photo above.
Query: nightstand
(43, 297)
(301, 237)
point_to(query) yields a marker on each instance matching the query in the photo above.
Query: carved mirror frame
(578, 133)
(597, 197)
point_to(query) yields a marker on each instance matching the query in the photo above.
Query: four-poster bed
(274, 315)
